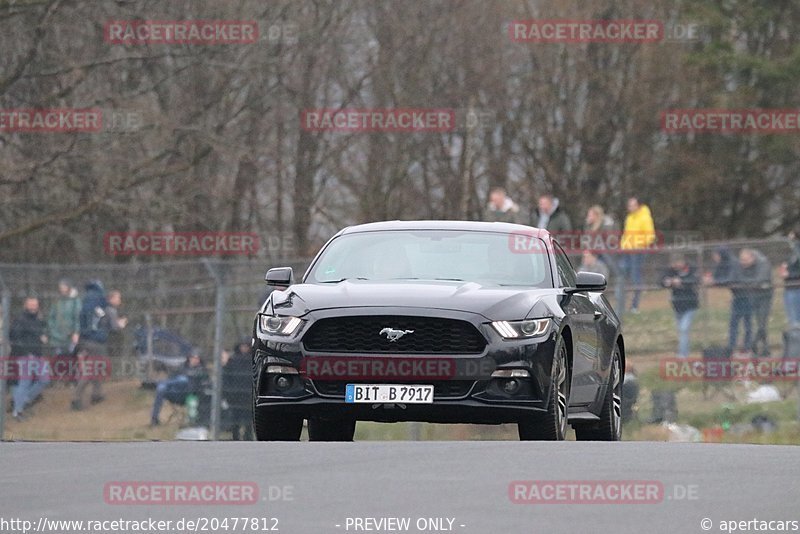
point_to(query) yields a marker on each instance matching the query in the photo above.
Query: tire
(274, 427)
(551, 426)
(339, 429)
(609, 427)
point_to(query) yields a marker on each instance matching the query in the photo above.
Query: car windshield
(483, 257)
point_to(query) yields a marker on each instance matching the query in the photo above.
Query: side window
(565, 271)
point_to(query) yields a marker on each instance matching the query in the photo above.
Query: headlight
(281, 326)
(526, 328)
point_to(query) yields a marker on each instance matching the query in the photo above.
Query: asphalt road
(313, 487)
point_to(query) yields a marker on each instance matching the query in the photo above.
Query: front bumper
(468, 395)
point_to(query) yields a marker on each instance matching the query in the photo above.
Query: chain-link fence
(724, 289)
(172, 309)
(168, 311)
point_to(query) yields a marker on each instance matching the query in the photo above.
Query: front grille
(441, 390)
(362, 334)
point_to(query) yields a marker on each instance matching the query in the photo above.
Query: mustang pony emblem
(393, 334)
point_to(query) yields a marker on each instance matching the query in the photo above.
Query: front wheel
(270, 426)
(609, 428)
(339, 429)
(551, 426)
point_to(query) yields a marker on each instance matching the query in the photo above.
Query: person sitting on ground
(191, 379)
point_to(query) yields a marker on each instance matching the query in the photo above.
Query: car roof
(468, 226)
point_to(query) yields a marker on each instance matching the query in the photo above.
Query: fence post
(704, 313)
(4, 346)
(218, 274)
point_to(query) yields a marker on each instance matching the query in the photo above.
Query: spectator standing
(681, 278)
(724, 267)
(116, 323)
(602, 232)
(95, 326)
(597, 220)
(64, 319)
(551, 216)
(191, 379)
(28, 338)
(591, 264)
(755, 277)
(790, 272)
(237, 390)
(638, 235)
(726, 273)
(501, 208)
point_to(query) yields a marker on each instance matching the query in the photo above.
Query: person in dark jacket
(95, 326)
(724, 267)
(117, 323)
(790, 272)
(191, 379)
(755, 279)
(551, 216)
(681, 278)
(237, 391)
(726, 274)
(501, 208)
(28, 338)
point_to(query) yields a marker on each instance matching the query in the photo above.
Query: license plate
(389, 393)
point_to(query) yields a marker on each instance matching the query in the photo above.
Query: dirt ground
(125, 415)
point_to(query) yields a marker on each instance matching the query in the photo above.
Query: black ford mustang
(438, 321)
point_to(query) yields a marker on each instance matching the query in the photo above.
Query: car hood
(492, 301)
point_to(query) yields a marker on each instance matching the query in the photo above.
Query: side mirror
(279, 276)
(586, 281)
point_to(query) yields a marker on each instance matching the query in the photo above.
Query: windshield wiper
(342, 280)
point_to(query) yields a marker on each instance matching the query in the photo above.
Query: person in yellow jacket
(638, 236)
